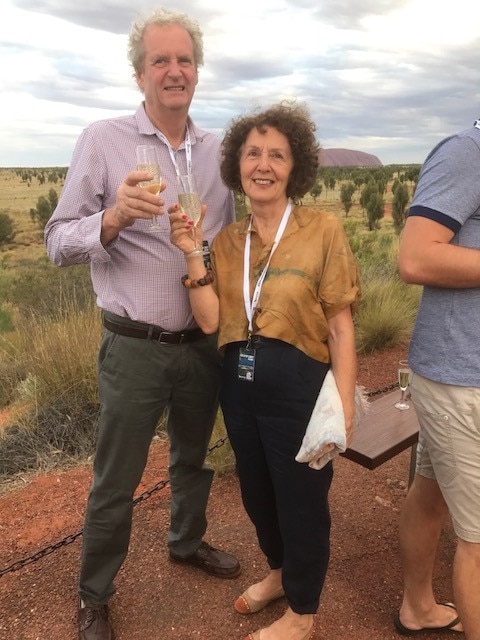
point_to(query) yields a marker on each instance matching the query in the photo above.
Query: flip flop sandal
(405, 631)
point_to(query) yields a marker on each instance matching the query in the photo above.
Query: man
(153, 358)
(440, 249)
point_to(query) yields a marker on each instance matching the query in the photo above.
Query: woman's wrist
(196, 253)
(193, 283)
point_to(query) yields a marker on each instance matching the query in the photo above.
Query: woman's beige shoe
(256, 635)
(246, 605)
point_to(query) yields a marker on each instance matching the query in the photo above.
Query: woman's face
(265, 166)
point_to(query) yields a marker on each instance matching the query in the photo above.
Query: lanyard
(251, 305)
(172, 152)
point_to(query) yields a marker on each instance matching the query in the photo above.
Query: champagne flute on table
(403, 377)
(147, 160)
(190, 204)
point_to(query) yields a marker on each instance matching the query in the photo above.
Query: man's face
(169, 73)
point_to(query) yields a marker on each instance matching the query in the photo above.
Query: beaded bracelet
(188, 283)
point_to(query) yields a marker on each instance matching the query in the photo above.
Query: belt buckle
(176, 338)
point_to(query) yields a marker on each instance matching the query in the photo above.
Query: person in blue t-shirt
(440, 249)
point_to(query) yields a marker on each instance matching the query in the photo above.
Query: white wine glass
(190, 204)
(403, 378)
(147, 160)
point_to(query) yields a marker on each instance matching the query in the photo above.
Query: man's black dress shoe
(216, 563)
(93, 622)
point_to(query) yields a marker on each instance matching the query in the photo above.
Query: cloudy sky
(386, 77)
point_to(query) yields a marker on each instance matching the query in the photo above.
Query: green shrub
(7, 229)
(387, 311)
(351, 227)
(44, 288)
(371, 248)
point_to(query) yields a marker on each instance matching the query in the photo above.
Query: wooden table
(383, 433)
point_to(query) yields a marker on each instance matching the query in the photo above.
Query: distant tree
(331, 182)
(53, 199)
(399, 206)
(412, 173)
(44, 209)
(7, 231)
(396, 183)
(381, 185)
(375, 210)
(316, 191)
(358, 177)
(346, 192)
(328, 177)
(368, 190)
(42, 212)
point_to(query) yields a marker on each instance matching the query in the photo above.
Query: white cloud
(387, 78)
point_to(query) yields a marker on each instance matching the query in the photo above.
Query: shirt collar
(146, 127)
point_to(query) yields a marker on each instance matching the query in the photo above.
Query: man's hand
(133, 203)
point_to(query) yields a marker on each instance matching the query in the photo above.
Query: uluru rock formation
(347, 158)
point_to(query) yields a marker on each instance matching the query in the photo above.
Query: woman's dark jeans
(287, 501)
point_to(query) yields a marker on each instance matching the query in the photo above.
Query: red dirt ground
(157, 600)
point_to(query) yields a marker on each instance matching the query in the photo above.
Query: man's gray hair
(163, 18)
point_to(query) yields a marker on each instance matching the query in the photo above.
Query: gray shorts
(449, 448)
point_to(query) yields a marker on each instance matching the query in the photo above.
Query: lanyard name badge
(188, 156)
(246, 355)
(172, 152)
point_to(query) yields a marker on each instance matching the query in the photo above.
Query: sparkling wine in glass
(403, 377)
(147, 160)
(190, 204)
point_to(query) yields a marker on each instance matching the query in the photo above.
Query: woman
(280, 293)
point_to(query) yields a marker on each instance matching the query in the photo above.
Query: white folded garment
(327, 424)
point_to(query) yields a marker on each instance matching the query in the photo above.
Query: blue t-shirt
(445, 345)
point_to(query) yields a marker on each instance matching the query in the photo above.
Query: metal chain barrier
(19, 564)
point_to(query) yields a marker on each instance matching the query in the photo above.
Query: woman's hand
(181, 229)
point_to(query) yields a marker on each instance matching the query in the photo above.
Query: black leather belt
(258, 339)
(151, 332)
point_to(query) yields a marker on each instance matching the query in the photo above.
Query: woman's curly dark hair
(294, 122)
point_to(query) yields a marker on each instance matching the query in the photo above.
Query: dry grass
(61, 356)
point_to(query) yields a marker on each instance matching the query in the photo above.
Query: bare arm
(341, 344)
(427, 258)
(203, 300)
